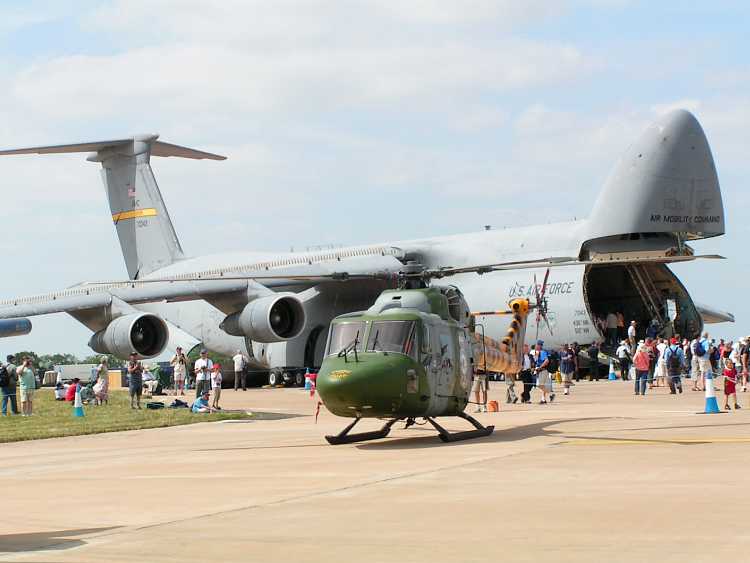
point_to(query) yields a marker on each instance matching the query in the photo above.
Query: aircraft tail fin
(147, 236)
(666, 182)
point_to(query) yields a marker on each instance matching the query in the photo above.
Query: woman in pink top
(641, 362)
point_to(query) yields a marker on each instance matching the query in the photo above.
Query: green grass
(53, 419)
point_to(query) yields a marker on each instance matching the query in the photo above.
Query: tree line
(46, 361)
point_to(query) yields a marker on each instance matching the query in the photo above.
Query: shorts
(661, 369)
(705, 365)
(136, 390)
(27, 394)
(543, 379)
(566, 377)
(479, 383)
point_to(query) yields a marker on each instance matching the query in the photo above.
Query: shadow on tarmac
(47, 541)
(513, 434)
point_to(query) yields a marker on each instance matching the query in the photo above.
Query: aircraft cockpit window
(393, 336)
(346, 336)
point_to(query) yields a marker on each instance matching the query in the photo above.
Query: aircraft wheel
(275, 378)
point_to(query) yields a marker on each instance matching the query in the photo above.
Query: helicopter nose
(372, 387)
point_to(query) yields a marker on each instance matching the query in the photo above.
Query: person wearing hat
(202, 368)
(201, 403)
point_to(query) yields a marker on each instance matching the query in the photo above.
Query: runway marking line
(652, 441)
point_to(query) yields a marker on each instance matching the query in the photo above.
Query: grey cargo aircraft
(663, 193)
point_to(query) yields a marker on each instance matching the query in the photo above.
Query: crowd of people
(666, 362)
(650, 363)
(205, 377)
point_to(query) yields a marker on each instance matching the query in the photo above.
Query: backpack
(715, 354)
(4, 376)
(674, 363)
(700, 349)
(554, 362)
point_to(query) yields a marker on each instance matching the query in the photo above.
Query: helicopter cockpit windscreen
(344, 335)
(392, 336)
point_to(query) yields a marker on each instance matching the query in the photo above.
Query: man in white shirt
(623, 358)
(203, 367)
(179, 363)
(632, 337)
(240, 362)
(661, 363)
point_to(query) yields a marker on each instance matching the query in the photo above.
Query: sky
(354, 122)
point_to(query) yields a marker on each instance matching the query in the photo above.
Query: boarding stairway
(647, 290)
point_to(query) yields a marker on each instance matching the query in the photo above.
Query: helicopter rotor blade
(544, 283)
(336, 276)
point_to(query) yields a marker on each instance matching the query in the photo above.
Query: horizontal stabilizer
(711, 315)
(158, 148)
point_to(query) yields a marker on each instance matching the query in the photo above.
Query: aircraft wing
(713, 316)
(246, 285)
(84, 297)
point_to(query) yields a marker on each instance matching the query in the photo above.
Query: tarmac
(600, 475)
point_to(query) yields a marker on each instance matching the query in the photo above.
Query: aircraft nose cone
(665, 182)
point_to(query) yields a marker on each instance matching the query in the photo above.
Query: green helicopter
(409, 356)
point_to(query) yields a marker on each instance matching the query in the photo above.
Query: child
(201, 404)
(216, 385)
(730, 384)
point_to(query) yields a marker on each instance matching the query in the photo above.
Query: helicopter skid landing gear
(446, 436)
(344, 437)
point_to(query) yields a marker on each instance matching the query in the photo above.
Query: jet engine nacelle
(274, 318)
(14, 327)
(143, 333)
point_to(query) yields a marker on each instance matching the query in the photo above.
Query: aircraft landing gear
(446, 436)
(344, 437)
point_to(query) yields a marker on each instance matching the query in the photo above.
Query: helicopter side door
(447, 365)
(465, 365)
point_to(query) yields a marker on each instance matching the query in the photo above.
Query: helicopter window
(343, 336)
(392, 336)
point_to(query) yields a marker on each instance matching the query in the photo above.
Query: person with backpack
(674, 358)
(567, 367)
(714, 356)
(8, 380)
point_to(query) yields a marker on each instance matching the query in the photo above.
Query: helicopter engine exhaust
(274, 318)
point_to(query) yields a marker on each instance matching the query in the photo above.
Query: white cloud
(343, 122)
